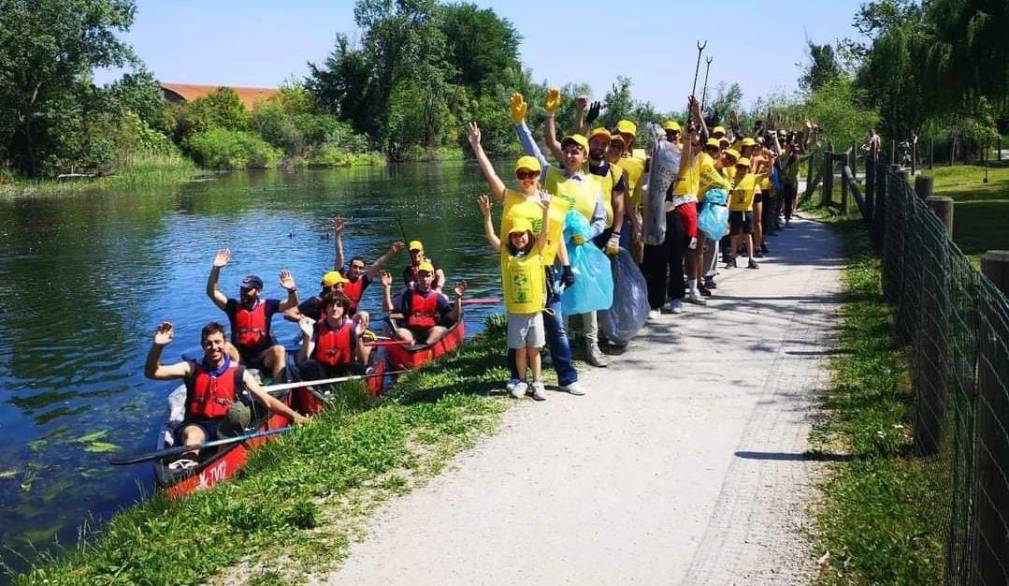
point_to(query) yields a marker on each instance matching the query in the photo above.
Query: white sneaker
(674, 306)
(511, 384)
(574, 388)
(539, 391)
(519, 390)
(654, 314)
(696, 298)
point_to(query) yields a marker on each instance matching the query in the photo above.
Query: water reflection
(84, 279)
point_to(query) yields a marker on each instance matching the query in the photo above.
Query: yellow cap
(718, 129)
(426, 266)
(712, 142)
(627, 127)
(333, 278)
(600, 132)
(743, 162)
(749, 142)
(416, 245)
(732, 153)
(578, 140)
(524, 162)
(520, 225)
(671, 125)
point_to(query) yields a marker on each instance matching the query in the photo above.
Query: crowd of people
(598, 176)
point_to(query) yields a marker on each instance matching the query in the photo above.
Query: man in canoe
(424, 310)
(331, 346)
(417, 257)
(213, 390)
(250, 317)
(357, 274)
(313, 307)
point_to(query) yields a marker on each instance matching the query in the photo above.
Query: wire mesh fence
(955, 323)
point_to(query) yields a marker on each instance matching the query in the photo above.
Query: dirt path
(683, 465)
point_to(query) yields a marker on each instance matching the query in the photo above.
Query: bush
(334, 155)
(219, 148)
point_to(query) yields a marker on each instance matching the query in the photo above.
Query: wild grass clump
(881, 518)
(292, 488)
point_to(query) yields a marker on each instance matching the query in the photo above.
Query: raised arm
(552, 103)
(525, 136)
(695, 111)
(541, 238)
(163, 335)
(338, 225)
(386, 280)
(287, 282)
(488, 224)
(497, 187)
(581, 103)
(213, 292)
(460, 290)
(307, 327)
(380, 261)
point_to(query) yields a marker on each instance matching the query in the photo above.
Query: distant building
(178, 93)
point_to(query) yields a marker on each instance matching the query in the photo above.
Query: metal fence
(954, 320)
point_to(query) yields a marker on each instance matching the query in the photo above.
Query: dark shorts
(312, 370)
(420, 335)
(210, 428)
(740, 223)
(255, 358)
(760, 198)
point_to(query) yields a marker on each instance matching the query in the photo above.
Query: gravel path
(683, 465)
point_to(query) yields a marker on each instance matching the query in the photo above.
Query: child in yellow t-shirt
(745, 189)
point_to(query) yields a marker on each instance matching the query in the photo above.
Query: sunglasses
(521, 174)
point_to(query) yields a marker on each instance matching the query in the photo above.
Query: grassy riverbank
(137, 171)
(981, 212)
(296, 507)
(877, 523)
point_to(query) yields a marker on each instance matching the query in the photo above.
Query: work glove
(518, 108)
(553, 100)
(613, 244)
(578, 239)
(567, 277)
(693, 243)
(593, 113)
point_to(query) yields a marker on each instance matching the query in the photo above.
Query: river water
(85, 278)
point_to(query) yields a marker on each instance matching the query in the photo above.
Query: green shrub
(219, 148)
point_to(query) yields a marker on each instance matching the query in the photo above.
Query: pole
(704, 93)
(992, 449)
(931, 152)
(697, 69)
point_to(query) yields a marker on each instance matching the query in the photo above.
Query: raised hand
(518, 108)
(593, 112)
(545, 199)
(360, 324)
(286, 280)
(386, 279)
(460, 288)
(734, 118)
(164, 333)
(397, 246)
(221, 258)
(485, 204)
(338, 225)
(581, 102)
(473, 131)
(307, 326)
(553, 100)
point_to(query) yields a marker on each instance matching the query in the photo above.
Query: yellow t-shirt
(710, 177)
(607, 183)
(516, 206)
(634, 168)
(743, 193)
(688, 183)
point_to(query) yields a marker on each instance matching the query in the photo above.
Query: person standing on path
(524, 204)
(741, 212)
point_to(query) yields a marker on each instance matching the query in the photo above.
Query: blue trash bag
(776, 178)
(593, 288)
(713, 218)
(630, 301)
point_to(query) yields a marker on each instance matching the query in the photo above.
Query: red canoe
(216, 464)
(405, 357)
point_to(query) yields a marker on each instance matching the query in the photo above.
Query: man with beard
(250, 317)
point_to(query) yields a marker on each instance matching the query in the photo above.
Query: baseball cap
(712, 143)
(671, 125)
(524, 162)
(520, 225)
(718, 129)
(578, 139)
(749, 142)
(251, 282)
(743, 162)
(732, 153)
(600, 132)
(333, 278)
(627, 127)
(426, 266)
(416, 245)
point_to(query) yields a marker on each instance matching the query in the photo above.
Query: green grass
(138, 170)
(299, 502)
(880, 520)
(981, 212)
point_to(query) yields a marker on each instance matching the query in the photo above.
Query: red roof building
(185, 92)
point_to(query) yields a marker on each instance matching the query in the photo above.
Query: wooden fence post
(993, 443)
(870, 192)
(844, 188)
(923, 186)
(930, 378)
(826, 191)
(931, 152)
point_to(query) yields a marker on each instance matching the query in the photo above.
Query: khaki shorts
(525, 330)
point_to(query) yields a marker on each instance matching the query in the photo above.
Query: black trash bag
(629, 311)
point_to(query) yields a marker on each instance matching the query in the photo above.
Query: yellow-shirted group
(709, 188)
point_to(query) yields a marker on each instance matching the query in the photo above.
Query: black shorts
(740, 223)
(209, 427)
(760, 198)
(420, 335)
(312, 370)
(255, 358)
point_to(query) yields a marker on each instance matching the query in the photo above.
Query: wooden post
(930, 376)
(828, 179)
(999, 146)
(931, 152)
(923, 186)
(992, 449)
(893, 152)
(844, 188)
(870, 193)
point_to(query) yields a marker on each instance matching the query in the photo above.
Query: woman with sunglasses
(525, 204)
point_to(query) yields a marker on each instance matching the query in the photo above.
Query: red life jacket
(208, 396)
(334, 346)
(354, 290)
(251, 327)
(423, 310)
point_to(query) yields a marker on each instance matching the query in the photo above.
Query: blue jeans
(557, 338)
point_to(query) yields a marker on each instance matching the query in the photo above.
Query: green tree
(220, 109)
(47, 53)
(481, 47)
(823, 67)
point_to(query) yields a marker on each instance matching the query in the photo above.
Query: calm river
(84, 279)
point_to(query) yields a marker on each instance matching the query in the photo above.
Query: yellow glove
(518, 107)
(613, 244)
(578, 239)
(553, 99)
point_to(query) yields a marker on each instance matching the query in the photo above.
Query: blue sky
(258, 43)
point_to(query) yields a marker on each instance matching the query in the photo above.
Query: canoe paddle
(326, 381)
(180, 449)
(482, 301)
